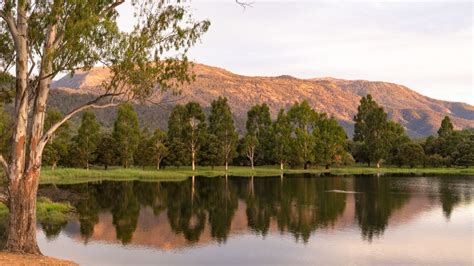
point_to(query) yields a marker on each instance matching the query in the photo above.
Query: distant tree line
(298, 137)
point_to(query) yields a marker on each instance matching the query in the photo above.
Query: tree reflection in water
(297, 204)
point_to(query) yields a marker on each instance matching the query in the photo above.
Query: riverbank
(20, 259)
(73, 175)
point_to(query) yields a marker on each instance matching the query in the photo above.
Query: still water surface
(295, 220)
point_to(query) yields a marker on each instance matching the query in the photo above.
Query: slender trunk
(281, 165)
(158, 164)
(226, 165)
(251, 163)
(193, 156)
(378, 164)
(53, 167)
(22, 218)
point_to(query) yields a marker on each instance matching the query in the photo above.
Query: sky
(425, 45)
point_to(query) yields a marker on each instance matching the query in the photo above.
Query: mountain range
(420, 115)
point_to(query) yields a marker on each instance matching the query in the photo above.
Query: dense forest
(298, 137)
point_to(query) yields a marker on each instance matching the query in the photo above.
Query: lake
(294, 220)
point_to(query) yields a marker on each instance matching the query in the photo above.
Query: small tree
(107, 153)
(250, 144)
(126, 133)
(87, 139)
(157, 149)
(412, 154)
(446, 127)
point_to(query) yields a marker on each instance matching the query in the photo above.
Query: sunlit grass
(73, 175)
(46, 211)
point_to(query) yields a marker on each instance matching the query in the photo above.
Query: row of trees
(377, 139)
(297, 137)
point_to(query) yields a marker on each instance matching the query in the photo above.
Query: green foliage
(126, 134)
(221, 125)
(258, 134)
(330, 141)
(412, 154)
(211, 152)
(107, 151)
(142, 157)
(157, 149)
(376, 135)
(303, 121)
(446, 127)
(57, 148)
(464, 154)
(6, 124)
(281, 130)
(86, 140)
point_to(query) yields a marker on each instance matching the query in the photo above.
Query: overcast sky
(426, 46)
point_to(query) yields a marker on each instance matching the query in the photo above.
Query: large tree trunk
(22, 219)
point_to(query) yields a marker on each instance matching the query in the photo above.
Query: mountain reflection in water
(174, 216)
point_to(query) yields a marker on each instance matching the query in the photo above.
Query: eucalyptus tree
(157, 149)
(371, 126)
(195, 129)
(41, 39)
(330, 140)
(303, 120)
(221, 125)
(176, 144)
(87, 139)
(258, 137)
(126, 133)
(281, 131)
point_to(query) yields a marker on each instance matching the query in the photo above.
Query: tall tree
(303, 119)
(107, 153)
(221, 125)
(43, 38)
(87, 139)
(281, 131)
(330, 140)
(126, 133)
(176, 142)
(258, 127)
(370, 128)
(446, 127)
(57, 147)
(250, 144)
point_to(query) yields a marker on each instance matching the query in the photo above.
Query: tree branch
(92, 104)
(8, 18)
(114, 5)
(4, 165)
(244, 5)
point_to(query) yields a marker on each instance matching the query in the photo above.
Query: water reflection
(212, 209)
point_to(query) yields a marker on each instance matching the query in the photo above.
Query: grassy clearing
(70, 175)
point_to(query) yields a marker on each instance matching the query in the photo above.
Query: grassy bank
(70, 175)
(46, 211)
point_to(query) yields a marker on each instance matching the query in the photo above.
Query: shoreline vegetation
(75, 175)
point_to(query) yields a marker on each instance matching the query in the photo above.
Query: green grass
(72, 175)
(47, 211)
